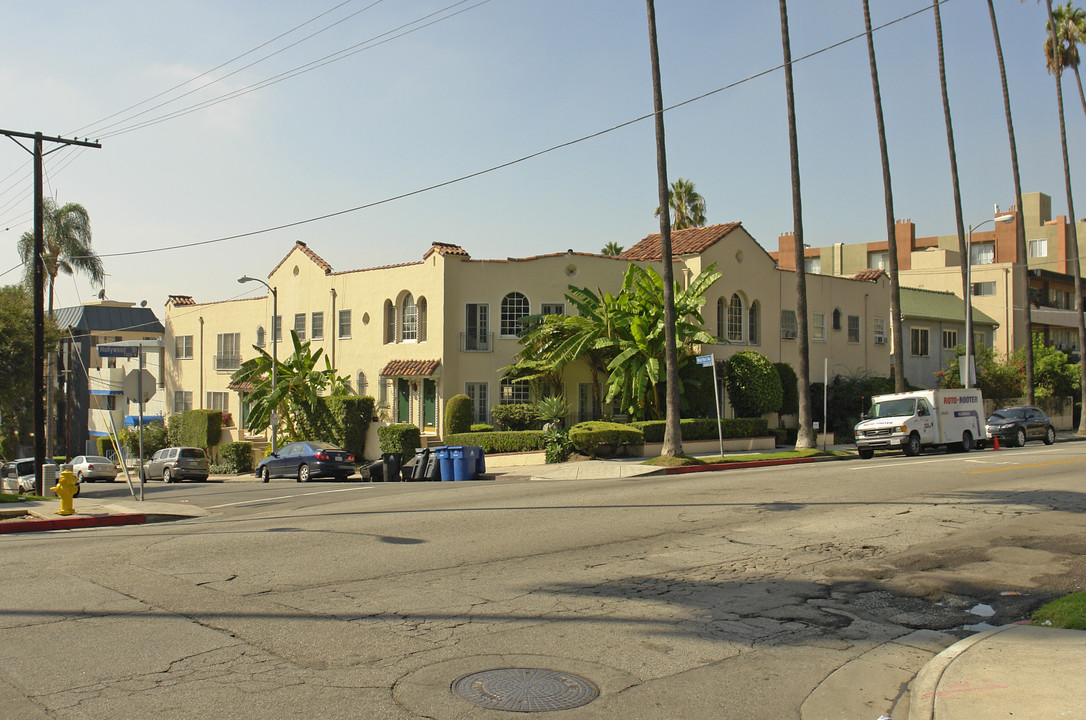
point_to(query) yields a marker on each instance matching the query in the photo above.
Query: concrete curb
(71, 523)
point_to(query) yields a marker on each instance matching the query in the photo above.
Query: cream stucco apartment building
(414, 335)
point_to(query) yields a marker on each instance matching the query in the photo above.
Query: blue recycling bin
(480, 461)
(462, 462)
(445, 462)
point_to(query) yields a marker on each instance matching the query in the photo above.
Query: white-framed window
(514, 307)
(877, 260)
(420, 306)
(984, 288)
(480, 401)
(260, 336)
(813, 265)
(409, 319)
(735, 319)
(1038, 247)
(228, 351)
(218, 401)
(382, 390)
(552, 309)
(514, 392)
(788, 324)
(754, 332)
(818, 326)
(299, 325)
(854, 328)
(360, 389)
(918, 342)
(477, 328)
(316, 326)
(278, 328)
(182, 347)
(878, 330)
(982, 253)
(344, 330)
(950, 339)
(182, 400)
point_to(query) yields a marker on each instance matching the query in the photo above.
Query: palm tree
(805, 437)
(686, 203)
(1054, 56)
(1070, 23)
(67, 245)
(673, 441)
(612, 248)
(888, 197)
(1021, 261)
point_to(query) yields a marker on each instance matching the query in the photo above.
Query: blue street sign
(704, 360)
(125, 351)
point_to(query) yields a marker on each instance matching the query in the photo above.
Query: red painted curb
(733, 465)
(70, 523)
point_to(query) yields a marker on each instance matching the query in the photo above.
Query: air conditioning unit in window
(880, 341)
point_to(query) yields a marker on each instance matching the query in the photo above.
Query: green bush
(556, 445)
(552, 410)
(848, 398)
(104, 445)
(704, 429)
(500, 442)
(754, 386)
(401, 438)
(514, 417)
(342, 420)
(596, 438)
(237, 457)
(195, 428)
(481, 427)
(154, 439)
(458, 414)
(789, 388)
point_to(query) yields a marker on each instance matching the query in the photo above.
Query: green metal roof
(938, 305)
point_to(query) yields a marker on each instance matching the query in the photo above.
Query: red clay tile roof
(870, 275)
(243, 386)
(410, 368)
(181, 300)
(683, 242)
(317, 259)
(445, 249)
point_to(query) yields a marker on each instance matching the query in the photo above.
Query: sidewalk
(90, 512)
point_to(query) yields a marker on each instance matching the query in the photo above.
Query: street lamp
(968, 371)
(275, 347)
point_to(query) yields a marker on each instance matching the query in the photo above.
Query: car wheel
(77, 489)
(79, 476)
(303, 473)
(912, 445)
(866, 453)
(1020, 437)
(264, 474)
(1050, 435)
(166, 476)
(967, 441)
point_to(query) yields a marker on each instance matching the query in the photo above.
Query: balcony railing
(476, 342)
(227, 363)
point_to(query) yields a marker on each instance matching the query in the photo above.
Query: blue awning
(107, 392)
(95, 433)
(132, 420)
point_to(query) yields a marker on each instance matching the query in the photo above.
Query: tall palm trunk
(805, 437)
(1072, 232)
(898, 357)
(1020, 266)
(673, 442)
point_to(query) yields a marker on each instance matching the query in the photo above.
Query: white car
(92, 468)
(17, 476)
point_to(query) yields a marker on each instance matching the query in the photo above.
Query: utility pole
(39, 292)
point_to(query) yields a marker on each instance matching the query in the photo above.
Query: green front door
(403, 401)
(429, 403)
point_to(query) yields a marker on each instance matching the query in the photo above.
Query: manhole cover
(526, 689)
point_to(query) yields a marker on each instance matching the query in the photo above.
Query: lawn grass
(1065, 612)
(9, 498)
(753, 457)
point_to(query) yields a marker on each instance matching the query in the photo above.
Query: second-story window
(344, 324)
(299, 325)
(182, 347)
(410, 319)
(514, 308)
(228, 351)
(316, 326)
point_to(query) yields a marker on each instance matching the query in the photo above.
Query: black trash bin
(392, 465)
(418, 470)
(433, 467)
(375, 471)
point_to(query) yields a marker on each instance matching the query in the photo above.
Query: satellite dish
(102, 294)
(143, 303)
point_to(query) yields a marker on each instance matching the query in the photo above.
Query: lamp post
(968, 370)
(275, 348)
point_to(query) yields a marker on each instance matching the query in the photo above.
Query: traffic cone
(995, 442)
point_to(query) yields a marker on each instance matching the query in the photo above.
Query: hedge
(237, 456)
(458, 414)
(401, 438)
(596, 438)
(195, 428)
(342, 420)
(514, 416)
(500, 442)
(705, 429)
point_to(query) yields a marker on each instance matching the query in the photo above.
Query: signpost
(139, 384)
(709, 361)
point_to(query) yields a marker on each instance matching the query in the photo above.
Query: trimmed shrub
(105, 446)
(342, 420)
(500, 442)
(703, 429)
(195, 428)
(401, 438)
(604, 439)
(514, 417)
(237, 457)
(754, 386)
(789, 388)
(481, 427)
(458, 414)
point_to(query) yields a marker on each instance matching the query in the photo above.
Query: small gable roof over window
(683, 242)
(410, 368)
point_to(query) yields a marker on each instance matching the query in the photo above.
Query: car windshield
(192, 453)
(1008, 414)
(893, 408)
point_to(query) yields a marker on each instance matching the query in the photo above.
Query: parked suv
(17, 476)
(177, 463)
(1016, 425)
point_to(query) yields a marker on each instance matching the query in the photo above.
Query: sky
(212, 137)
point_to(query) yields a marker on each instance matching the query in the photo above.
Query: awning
(107, 392)
(410, 368)
(132, 420)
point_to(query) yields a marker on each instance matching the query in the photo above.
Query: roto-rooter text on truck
(913, 421)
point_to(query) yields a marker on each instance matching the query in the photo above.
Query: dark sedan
(1016, 425)
(305, 460)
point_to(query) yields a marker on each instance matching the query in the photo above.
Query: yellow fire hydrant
(67, 487)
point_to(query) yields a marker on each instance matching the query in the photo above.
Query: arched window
(421, 304)
(390, 322)
(837, 318)
(260, 336)
(361, 387)
(514, 307)
(735, 319)
(409, 319)
(753, 331)
(721, 317)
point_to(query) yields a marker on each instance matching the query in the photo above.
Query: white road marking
(288, 497)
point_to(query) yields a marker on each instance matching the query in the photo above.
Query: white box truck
(913, 421)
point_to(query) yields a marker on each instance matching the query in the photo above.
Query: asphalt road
(710, 595)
